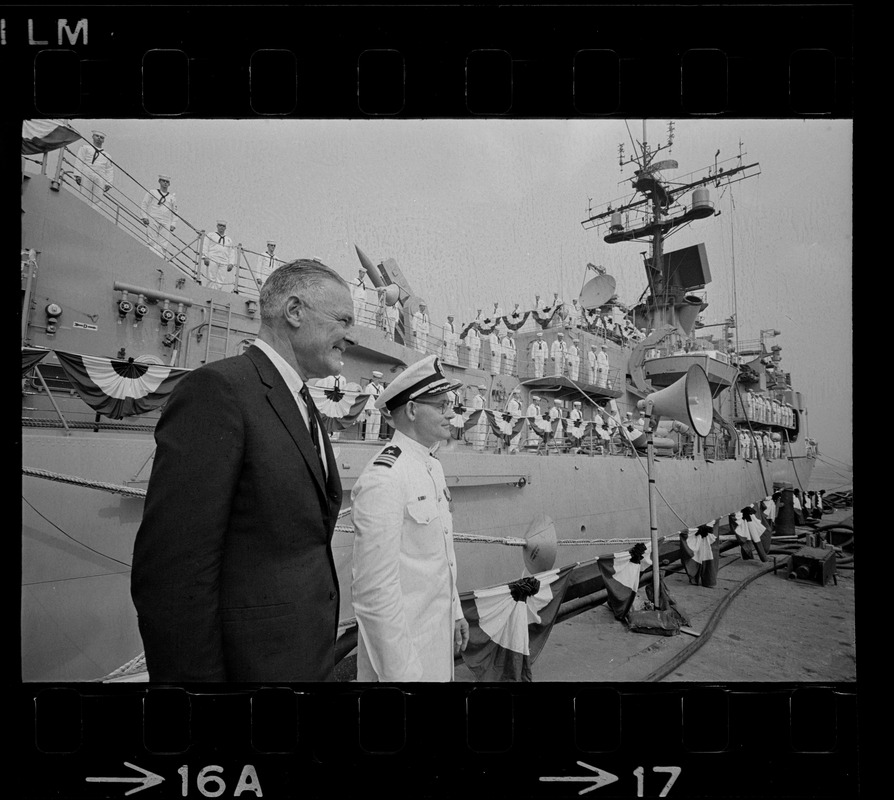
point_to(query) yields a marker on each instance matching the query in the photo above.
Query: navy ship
(111, 318)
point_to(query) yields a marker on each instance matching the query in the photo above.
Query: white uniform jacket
(160, 207)
(94, 165)
(404, 566)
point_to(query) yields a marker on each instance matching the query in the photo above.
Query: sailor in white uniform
(95, 173)
(473, 342)
(409, 617)
(574, 360)
(451, 337)
(373, 416)
(479, 432)
(159, 215)
(420, 328)
(219, 258)
(558, 354)
(602, 366)
(532, 411)
(513, 406)
(266, 263)
(508, 348)
(539, 352)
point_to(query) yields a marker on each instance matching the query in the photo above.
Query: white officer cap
(377, 374)
(221, 222)
(165, 178)
(422, 379)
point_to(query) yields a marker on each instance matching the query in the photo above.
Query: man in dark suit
(233, 576)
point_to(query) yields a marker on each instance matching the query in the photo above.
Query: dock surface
(772, 629)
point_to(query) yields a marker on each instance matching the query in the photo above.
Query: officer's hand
(107, 187)
(78, 180)
(460, 635)
(145, 221)
(207, 262)
(172, 228)
(229, 267)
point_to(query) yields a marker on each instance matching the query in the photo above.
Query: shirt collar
(289, 374)
(413, 447)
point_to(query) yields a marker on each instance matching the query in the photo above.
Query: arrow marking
(148, 779)
(601, 778)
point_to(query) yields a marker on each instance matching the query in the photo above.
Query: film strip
(549, 740)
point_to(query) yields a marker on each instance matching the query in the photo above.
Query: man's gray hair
(304, 277)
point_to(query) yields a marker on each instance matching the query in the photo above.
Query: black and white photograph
(437, 400)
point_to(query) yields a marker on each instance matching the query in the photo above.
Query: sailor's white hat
(539, 335)
(559, 333)
(557, 401)
(422, 379)
(577, 402)
(270, 241)
(164, 178)
(221, 222)
(99, 133)
(377, 374)
(534, 397)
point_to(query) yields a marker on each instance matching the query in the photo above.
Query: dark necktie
(313, 424)
(162, 198)
(96, 152)
(221, 239)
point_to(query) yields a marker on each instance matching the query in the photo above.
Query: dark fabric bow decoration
(524, 588)
(637, 552)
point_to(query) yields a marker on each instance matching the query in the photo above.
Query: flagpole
(653, 512)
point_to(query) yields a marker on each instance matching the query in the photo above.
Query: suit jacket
(233, 576)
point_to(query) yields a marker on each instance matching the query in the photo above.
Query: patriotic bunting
(515, 320)
(620, 574)
(509, 624)
(119, 388)
(505, 426)
(43, 135)
(32, 356)
(465, 418)
(339, 409)
(543, 316)
(543, 426)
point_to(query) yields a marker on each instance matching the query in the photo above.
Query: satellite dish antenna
(392, 294)
(596, 292)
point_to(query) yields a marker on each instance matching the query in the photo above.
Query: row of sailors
(760, 408)
(94, 175)
(759, 444)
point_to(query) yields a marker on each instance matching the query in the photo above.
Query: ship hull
(78, 622)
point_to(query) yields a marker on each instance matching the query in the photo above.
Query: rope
(101, 485)
(28, 422)
(133, 667)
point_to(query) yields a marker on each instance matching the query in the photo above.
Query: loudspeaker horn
(392, 294)
(687, 400)
(596, 292)
(540, 545)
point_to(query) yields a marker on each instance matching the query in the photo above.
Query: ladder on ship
(218, 333)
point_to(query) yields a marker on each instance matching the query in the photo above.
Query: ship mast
(654, 212)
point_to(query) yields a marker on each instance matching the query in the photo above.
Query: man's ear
(294, 311)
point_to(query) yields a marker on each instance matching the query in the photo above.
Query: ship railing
(124, 212)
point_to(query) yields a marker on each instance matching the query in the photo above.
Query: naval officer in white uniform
(409, 618)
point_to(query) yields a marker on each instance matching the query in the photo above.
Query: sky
(484, 211)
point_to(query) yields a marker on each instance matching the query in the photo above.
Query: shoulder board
(388, 456)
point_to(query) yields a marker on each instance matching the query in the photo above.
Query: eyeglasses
(442, 407)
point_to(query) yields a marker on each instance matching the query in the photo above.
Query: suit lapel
(286, 407)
